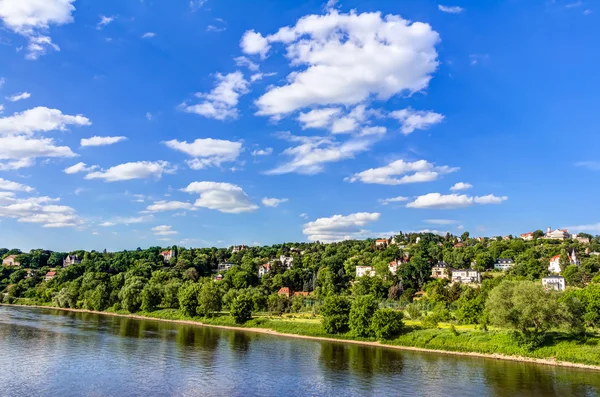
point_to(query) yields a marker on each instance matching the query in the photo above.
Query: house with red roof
(527, 236)
(50, 276)
(264, 269)
(303, 293)
(167, 255)
(285, 291)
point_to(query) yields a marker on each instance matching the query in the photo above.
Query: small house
(286, 261)
(303, 293)
(527, 236)
(504, 264)
(264, 269)
(556, 283)
(364, 271)
(50, 276)
(468, 276)
(554, 266)
(238, 248)
(223, 267)
(11, 261)
(381, 243)
(285, 291)
(167, 255)
(218, 277)
(440, 270)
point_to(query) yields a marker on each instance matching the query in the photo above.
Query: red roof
(300, 293)
(382, 241)
(284, 291)
(527, 234)
(51, 274)
(555, 257)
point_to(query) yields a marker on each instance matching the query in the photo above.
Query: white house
(381, 243)
(394, 266)
(573, 260)
(558, 234)
(167, 255)
(504, 264)
(468, 276)
(286, 261)
(364, 271)
(71, 260)
(264, 269)
(582, 240)
(440, 270)
(224, 266)
(11, 260)
(238, 248)
(557, 283)
(527, 236)
(554, 264)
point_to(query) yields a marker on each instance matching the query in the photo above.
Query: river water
(45, 352)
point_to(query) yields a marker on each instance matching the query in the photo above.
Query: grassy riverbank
(560, 349)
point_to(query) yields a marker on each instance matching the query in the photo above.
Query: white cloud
(18, 97)
(263, 152)
(79, 167)
(318, 118)
(273, 202)
(1, 109)
(253, 43)
(461, 186)
(441, 221)
(412, 120)
(14, 186)
(22, 151)
(312, 153)
(589, 228)
(591, 165)
(148, 35)
(330, 4)
(39, 119)
(373, 131)
(134, 170)
(30, 18)
(339, 227)
(207, 152)
(162, 206)
(101, 140)
(223, 197)
(221, 102)
(398, 199)
(197, 4)
(574, 4)
(127, 220)
(104, 20)
(450, 9)
(163, 230)
(346, 59)
(149, 116)
(107, 224)
(304, 215)
(415, 172)
(37, 210)
(242, 61)
(451, 201)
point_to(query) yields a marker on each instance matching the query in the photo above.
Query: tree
(538, 233)
(209, 299)
(188, 298)
(525, 307)
(241, 309)
(151, 297)
(130, 294)
(387, 323)
(190, 274)
(336, 314)
(361, 313)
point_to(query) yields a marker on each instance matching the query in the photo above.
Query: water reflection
(48, 352)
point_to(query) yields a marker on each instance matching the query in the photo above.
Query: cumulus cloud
(39, 119)
(221, 102)
(461, 186)
(451, 201)
(346, 59)
(14, 186)
(133, 170)
(163, 206)
(318, 118)
(104, 20)
(38, 210)
(207, 152)
(450, 9)
(401, 172)
(273, 202)
(32, 18)
(398, 199)
(242, 61)
(101, 140)
(163, 230)
(412, 120)
(22, 151)
(18, 97)
(219, 196)
(263, 152)
(79, 167)
(312, 153)
(339, 227)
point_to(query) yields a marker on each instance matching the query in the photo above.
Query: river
(46, 352)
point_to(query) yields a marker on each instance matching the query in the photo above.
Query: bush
(431, 321)
(361, 314)
(336, 314)
(241, 309)
(414, 311)
(387, 323)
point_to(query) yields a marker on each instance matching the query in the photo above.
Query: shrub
(336, 314)
(387, 323)
(361, 313)
(414, 311)
(431, 321)
(241, 309)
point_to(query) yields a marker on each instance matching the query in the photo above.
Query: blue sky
(211, 123)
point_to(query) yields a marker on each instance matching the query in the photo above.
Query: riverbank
(583, 355)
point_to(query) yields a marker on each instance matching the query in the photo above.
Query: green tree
(130, 294)
(188, 298)
(336, 314)
(241, 309)
(151, 297)
(387, 323)
(361, 313)
(209, 299)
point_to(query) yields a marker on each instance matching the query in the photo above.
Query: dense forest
(142, 280)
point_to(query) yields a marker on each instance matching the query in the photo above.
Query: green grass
(559, 346)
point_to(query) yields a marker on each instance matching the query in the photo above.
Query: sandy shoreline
(325, 339)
